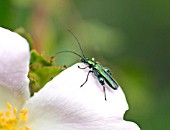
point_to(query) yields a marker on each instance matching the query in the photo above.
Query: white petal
(14, 66)
(62, 104)
(101, 125)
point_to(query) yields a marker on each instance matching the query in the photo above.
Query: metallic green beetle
(103, 74)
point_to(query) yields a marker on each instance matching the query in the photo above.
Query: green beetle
(103, 74)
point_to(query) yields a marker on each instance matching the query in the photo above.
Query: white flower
(61, 104)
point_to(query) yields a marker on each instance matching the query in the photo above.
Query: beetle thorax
(88, 61)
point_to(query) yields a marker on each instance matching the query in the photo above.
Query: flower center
(11, 119)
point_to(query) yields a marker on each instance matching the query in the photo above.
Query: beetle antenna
(69, 52)
(77, 42)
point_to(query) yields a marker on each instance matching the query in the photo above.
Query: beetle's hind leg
(104, 90)
(86, 78)
(101, 80)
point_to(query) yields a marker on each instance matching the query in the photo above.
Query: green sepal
(21, 31)
(42, 70)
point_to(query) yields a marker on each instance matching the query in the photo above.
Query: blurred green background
(130, 37)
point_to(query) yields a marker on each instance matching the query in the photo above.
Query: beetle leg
(101, 80)
(104, 90)
(82, 68)
(86, 78)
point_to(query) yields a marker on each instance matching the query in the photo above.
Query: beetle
(103, 74)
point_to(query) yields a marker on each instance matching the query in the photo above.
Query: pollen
(12, 119)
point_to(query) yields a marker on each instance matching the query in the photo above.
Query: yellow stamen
(15, 110)
(7, 113)
(9, 106)
(27, 128)
(11, 119)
